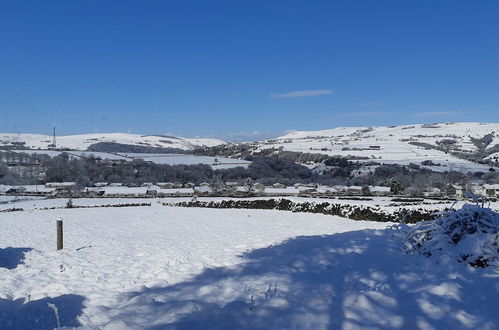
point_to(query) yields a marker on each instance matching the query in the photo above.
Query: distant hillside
(463, 147)
(84, 141)
(457, 146)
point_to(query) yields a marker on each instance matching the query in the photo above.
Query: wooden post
(59, 234)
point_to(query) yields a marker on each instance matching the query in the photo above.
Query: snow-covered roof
(59, 184)
(202, 189)
(4, 188)
(379, 189)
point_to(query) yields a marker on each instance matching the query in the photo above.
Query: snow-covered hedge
(354, 212)
(470, 234)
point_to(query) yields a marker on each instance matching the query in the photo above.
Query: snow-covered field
(182, 268)
(7, 201)
(169, 159)
(173, 159)
(386, 204)
(31, 204)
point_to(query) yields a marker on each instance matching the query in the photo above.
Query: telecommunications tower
(53, 139)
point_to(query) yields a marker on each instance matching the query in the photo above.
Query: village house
(326, 191)
(491, 190)
(432, 192)
(354, 190)
(259, 187)
(152, 191)
(61, 186)
(459, 191)
(202, 190)
(379, 190)
(165, 185)
(306, 191)
(488, 190)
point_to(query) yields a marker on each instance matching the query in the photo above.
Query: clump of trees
(272, 170)
(483, 148)
(483, 142)
(126, 148)
(414, 181)
(21, 176)
(90, 170)
(240, 150)
(276, 166)
(7, 176)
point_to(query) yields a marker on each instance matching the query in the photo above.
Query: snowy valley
(245, 236)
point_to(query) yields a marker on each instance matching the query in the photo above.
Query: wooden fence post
(59, 234)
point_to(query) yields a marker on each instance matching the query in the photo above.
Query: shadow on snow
(347, 280)
(40, 314)
(11, 257)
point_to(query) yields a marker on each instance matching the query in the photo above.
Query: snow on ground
(6, 200)
(392, 145)
(170, 159)
(183, 268)
(384, 203)
(34, 203)
(174, 159)
(83, 141)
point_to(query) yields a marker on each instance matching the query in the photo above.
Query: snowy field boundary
(73, 206)
(353, 212)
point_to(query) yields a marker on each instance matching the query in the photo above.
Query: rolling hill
(465, 147)
(446, 146)
(84, 141)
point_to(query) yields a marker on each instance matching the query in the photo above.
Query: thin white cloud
(307, 93)
(436, 114)
(363, 114)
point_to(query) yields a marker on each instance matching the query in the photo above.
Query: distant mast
(53, 145)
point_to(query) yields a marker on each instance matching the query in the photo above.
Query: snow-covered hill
(83, 141)
(442, 147)
(446, 144)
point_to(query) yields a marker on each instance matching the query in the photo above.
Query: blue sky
(245, 69)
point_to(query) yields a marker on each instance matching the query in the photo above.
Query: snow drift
(470, 234)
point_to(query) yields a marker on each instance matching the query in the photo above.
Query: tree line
(279, 168)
